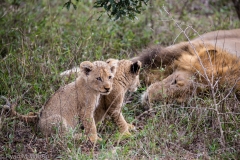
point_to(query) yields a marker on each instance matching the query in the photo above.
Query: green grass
(40, 39)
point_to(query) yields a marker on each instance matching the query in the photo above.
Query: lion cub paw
(99, 139)
(94, 139)
(131, 127)
(125, 135)
(77, 136)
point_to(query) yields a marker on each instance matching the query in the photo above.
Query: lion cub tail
(30, 117)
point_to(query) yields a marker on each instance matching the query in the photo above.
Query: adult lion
(194, 65)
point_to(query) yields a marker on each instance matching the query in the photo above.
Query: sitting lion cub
(77, 101)
(126, 78)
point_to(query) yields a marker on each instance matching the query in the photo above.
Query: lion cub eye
(110, 77)
(99, 79)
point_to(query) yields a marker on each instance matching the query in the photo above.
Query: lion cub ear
(86, 67)
(135, 67)
(113, 63)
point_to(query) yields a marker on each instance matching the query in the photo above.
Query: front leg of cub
(90, 127)
(118, 118)
(99, 113)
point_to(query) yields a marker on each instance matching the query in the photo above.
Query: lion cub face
(99, 75)
(128, 73)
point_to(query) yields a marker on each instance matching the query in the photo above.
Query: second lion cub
(126, 79)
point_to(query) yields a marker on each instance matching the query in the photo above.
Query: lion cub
(77, 101)
(126, 78)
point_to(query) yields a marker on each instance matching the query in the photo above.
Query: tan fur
(126, 78)
(194, 72)
(75, 103)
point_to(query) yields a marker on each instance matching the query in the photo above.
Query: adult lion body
(75, 103)
(177, 82)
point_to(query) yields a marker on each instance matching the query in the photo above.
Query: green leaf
(128, 8)
(74, 6)
(67, 5)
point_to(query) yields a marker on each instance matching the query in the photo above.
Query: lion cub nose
(107, 89)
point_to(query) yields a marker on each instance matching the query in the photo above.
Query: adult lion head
(181, 70)
(204, 69)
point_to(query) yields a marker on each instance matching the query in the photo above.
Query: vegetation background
(40, 39)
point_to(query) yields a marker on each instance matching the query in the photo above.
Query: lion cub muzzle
(107, 89)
